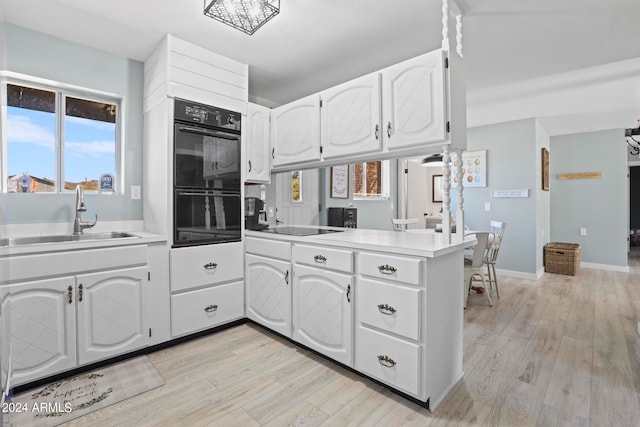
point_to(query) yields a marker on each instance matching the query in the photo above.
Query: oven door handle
(205, 132)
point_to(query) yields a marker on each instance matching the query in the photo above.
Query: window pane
(31, 140)
(371, 180)
(90, 142)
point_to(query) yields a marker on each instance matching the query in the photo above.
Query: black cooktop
(299, 231)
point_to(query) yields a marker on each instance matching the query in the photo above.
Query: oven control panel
(191, 112)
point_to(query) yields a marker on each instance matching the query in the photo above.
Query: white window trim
(384, 177)
(10, 77)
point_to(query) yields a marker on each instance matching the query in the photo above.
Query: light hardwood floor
(562, 350)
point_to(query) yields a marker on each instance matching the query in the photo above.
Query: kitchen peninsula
(387, 304)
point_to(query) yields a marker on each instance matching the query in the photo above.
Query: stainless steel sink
(37, 240)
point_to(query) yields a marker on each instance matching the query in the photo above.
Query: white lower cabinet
(269, 293)
(322, 312)
(389, 359)
(206, 308)
(206, 287)
(42, 327)
(109, 309)
(58, 324)
(390, 344)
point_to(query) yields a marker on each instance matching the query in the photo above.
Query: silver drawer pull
(387, 269)
(386, 309)
(320, 259)
(211, 308)
(386, 361)
(210, 266)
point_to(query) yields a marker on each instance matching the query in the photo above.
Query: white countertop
(429, 245)
(141, 237)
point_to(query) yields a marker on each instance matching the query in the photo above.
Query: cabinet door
(350, 118)
(42, 327)
(413, 96)
(268, 293)
(258, 148)
(295, 131)
(322, 312)
(110, 318)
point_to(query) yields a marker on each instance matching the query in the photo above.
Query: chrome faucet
(78, 224)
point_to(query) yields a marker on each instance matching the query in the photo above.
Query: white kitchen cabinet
(201, 278)
(42, 328)
(101, 312)
(413, 101)
(109, 307)
(258, 145)
(350, 118)
(323, 312)
(204, 308)
(295, 131)
(268, 285)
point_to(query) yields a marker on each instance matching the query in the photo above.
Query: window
(371, 180)
(57, 139)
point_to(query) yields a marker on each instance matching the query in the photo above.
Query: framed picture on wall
(474, 169)
(545, 169)
(436, 188)
(340, 182)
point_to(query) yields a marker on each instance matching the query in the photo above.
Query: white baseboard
(608, 267)
(518, 274)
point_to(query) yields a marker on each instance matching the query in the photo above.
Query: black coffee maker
(255, 217)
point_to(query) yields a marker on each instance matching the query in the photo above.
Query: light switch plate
(583, 231)
(487, 207)
(136, 192)
(271, 212)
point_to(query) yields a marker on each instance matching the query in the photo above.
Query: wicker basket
(562, 258)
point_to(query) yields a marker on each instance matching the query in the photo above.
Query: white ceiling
(314, 44)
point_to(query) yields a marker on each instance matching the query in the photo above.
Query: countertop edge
(401, 243)
(143, 238)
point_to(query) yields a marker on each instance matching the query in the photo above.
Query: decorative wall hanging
(474, 168)
(545, 169)
(340, 182)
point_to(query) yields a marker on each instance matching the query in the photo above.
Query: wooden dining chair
(402, 224)
(474, 267)
(496, 233)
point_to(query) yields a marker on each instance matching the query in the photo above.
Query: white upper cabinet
(257, 143)
(350, 118)
(414, 107)
(295, 131)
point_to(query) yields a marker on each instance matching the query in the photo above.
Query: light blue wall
(374, 214)
(599, 205)
(512, 163)
(543, 199)
(47, 57)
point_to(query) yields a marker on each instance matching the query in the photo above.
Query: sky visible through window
(89, 146)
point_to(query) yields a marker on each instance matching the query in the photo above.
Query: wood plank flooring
(559, 351)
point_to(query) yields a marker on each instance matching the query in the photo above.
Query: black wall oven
(206, 175)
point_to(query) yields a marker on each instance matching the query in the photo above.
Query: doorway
(297, 197)
(634, 214)
(417, 198)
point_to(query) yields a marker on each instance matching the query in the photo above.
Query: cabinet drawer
(390, 307)
(206, 308)
(323, 257)
(269, 248)
(204, 265)
(51, 264)
(388, 267)
(391, 360)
